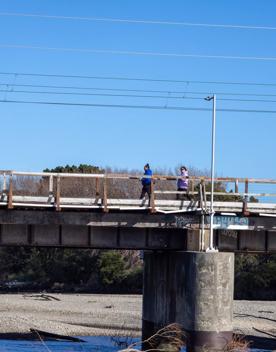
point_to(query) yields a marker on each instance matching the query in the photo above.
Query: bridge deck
(162, 206)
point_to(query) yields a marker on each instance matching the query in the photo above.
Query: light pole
(211, 238)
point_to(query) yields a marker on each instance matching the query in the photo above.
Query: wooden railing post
(97, 196)
(152, 198)
(58, 208)
(10, 205)
(105, 205)
(245, 200)
(51, 189)
(246, 189)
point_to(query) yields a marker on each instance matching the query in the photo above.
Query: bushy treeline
(73, 270)
(255, 276)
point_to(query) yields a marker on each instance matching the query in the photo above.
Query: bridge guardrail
(102, 188)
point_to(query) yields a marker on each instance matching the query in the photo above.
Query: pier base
(194, 289)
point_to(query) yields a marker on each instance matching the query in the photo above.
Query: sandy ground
(90, 314)
(71, 314)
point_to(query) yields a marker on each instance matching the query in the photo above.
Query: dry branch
(170, 338)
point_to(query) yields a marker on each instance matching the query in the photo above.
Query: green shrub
(112, 268)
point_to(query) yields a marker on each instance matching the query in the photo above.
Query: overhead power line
(125, 106)
(183, 97)
(11, 85)
(139, 79)
(99, 94)
(10, 88)
(138, 21)
(140, 53)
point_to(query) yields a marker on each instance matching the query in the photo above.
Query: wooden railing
(197, 186)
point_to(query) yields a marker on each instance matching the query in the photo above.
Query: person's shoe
(143, 201)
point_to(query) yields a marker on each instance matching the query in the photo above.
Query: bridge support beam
(194, 289)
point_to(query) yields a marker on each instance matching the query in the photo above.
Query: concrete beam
(44, 235)
(92, 237)
(252, 241)
(113, 219)
(15, 234)
(129, 230)
(141, 219)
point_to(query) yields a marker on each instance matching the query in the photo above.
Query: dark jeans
(145, 190)
(185, 194)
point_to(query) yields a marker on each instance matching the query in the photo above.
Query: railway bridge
(183, 282)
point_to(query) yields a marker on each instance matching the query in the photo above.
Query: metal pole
(202, 232)
(211, 238)
(211, 247)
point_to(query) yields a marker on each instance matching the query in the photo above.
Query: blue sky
(34, 137)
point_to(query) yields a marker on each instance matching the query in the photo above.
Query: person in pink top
(183, 182)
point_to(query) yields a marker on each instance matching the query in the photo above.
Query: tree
(81, 169)
(111, 268)
(255, 276)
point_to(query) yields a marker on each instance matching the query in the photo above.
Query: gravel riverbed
(91, 314)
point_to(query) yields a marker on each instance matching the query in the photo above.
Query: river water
(92, 344)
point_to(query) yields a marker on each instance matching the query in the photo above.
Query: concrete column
(194, 289)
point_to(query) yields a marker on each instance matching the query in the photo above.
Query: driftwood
(43, 296)
(264, 332)
(44, 334)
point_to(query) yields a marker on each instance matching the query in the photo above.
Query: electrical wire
(139, 53)
(120, 78)
(135, 96)
(98, 94)
(138, 21)
(151, 107)
(11, 85)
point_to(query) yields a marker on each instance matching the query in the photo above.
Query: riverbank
(90, 314)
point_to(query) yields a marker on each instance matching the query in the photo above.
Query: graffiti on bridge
(220, 222)
(184, 221)
(230, 222)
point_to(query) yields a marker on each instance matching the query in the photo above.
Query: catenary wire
(135, 96)
(151, 107)
(11, 85)
(98, 94)
(120, 78)
(139, 53)
(138, 21)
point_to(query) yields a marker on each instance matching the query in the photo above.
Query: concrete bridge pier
(194, 289)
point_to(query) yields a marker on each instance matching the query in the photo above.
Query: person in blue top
(146, 182)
